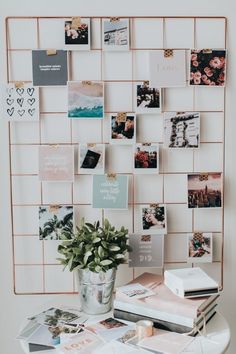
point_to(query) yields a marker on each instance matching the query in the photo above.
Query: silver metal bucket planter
(96, 290)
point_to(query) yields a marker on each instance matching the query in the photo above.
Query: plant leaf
(106, 262)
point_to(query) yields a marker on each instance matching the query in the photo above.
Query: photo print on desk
(115, 35)
(123, 128)
(91, 158)
(181, 129)
(49, 67)
(110, 191)
(56, 163)
(55, 221)
(199, 247)
(77, 33)
(167, 68)
(146, 158)
(20, 102)
(147, 251)
(153, 219)
(204, 190)
(208, 67)
(148, 98)
(53, 317)
(85, 99)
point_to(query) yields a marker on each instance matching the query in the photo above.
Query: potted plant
(94, 252)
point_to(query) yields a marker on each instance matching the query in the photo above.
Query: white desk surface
(216, 340)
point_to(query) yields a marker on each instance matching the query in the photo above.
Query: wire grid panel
(36, 270)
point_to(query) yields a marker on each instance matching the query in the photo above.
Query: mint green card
(110, 192)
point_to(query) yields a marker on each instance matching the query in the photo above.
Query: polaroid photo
(49, 67)
(148, 98)
(20, 103)
(115, 34)
(85, 99)
(55, 221)
(200, 247)
(147, 251)
(182, 130)
(110, 192)
(91, 158)
(167, 68)
(204, 190)
(122, 128)
(107, 324)
(153, 219)
(146, 158)
(77, 33)
(207, 67)
(135, 291)
(53, 317)
(56, 163)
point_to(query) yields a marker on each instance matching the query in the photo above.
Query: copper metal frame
(132, 18)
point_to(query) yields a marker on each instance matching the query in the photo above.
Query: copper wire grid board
(36, 270)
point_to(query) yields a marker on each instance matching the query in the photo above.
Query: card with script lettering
(84, 343)
(20, 102)
(110, 192)
(49, 67)
(167, 68)
(91, 158)
(147, 251)
(56, 163)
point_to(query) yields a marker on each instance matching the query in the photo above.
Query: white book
(190, 282)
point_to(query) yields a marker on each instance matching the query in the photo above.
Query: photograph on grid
(181, 130)
(91, 158)
(115, 34)
(49, 67)
(167, 68)
(55, 222)
(147, 251)
(122, 128)
(146, 158)
(56, 163)
(110, 191)
(208, 67)
(77, 33)
(199, 246)
(153, 219)
(204, 190)
(85, 99)
(148, 98)
(19, 102)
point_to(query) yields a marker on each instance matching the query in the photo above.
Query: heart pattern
(10, 101)
(10, 91)
(20, 101)
(10, 111)
(30, 91)
(31, 101)
(20, 91)
(21, 112)
(31, 111)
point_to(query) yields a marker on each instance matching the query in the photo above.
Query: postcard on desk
(49, 67)
(83, 343)
(20, 102)
(135, 291)
(167, 68)
(54, 316)
(77, 33)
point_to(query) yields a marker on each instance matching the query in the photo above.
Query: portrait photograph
(77, 33)
(148, 99)
(204, 190)
(153, 219)
(91, 158)
(182, 130)
(115, 34)
(122, 128)
(199, 246)
(146, 158)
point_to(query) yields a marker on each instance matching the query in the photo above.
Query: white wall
(15, 308)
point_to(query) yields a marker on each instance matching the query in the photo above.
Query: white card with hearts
(20, 103)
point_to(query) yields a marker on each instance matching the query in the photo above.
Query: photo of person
(91, 158)
(204, 190)
(77, 33)
(148, 99)
(182, 130)
(154, 219)
(115, 34)
(199, 247)
(122, 128)
(146, 158)
(108, 323)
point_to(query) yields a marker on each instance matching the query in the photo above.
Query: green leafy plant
(94, 247)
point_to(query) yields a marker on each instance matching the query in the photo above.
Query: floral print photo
(207, 67)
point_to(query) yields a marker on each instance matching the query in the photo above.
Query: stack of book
(147, 297)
